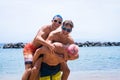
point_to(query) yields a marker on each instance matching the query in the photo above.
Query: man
(61, 51)
(54, 59)
(64, 38)
(39, 40)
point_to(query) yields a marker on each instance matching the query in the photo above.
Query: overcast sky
(94, 20)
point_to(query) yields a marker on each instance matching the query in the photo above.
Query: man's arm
(38, 52)
(40, 37)
(51, 37)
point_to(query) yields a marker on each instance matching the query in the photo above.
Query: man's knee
(34, 70)
(28, 70)
(26, 74)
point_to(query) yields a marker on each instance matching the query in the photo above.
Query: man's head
(56, 21)
(67, 26)
(72, 50)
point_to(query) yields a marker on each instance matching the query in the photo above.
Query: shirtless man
(64, 38)
(38, 41)
(54, 59)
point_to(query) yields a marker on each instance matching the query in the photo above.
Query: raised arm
(50, 39)
(41, 36)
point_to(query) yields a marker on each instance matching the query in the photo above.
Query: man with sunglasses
(39, 40)
(64, 38)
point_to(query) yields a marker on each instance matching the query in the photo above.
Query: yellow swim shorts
(57, 76)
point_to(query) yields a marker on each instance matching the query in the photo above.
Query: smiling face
(56, 22)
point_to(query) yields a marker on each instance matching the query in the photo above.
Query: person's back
(54, 59)
(49, 58)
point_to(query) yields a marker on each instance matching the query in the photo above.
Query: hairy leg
(35, 70)
(66, 71)
(27, 72)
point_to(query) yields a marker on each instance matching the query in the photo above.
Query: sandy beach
(81, 75)
(95, 75)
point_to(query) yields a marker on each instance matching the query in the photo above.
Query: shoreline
(95, 75)
(80, 75)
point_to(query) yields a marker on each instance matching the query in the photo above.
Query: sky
(94, 20)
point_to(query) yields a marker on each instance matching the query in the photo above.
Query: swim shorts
(47, 70)
(28, 51)
(29, 47)
(28, 59)
(57, 76)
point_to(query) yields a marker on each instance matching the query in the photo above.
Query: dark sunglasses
(65, 29)
(57, 21)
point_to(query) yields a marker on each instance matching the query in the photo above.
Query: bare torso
(42, 34)
(57, 36)
(52, 59)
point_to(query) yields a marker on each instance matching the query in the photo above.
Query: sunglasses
(57, 21)
(65, 29)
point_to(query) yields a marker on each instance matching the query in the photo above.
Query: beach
(95, 75)
(81, 75)
(94, 63)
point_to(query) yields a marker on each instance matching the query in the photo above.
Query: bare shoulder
(45, 27)
(70, 39)
(55, 32)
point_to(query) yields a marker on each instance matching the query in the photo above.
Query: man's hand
(51, 48)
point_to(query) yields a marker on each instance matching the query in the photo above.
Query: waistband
(47, 70)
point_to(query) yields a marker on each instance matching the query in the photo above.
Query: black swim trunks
(47, 70)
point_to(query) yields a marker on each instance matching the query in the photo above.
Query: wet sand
(95, 75)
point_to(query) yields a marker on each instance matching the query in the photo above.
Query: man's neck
(64, 35)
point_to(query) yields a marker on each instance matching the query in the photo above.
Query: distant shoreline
(80, 44)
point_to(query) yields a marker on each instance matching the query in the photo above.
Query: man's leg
(61, 49)
(66, 71)
(27, 72)
(35, 70)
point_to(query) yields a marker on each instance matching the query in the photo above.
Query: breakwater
(80, 44)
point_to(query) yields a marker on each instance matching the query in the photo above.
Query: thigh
(64, 67)
(38, 63)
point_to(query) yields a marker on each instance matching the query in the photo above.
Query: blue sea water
(90, 59)
(97, 58)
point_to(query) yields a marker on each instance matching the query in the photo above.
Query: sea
(90, 59)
